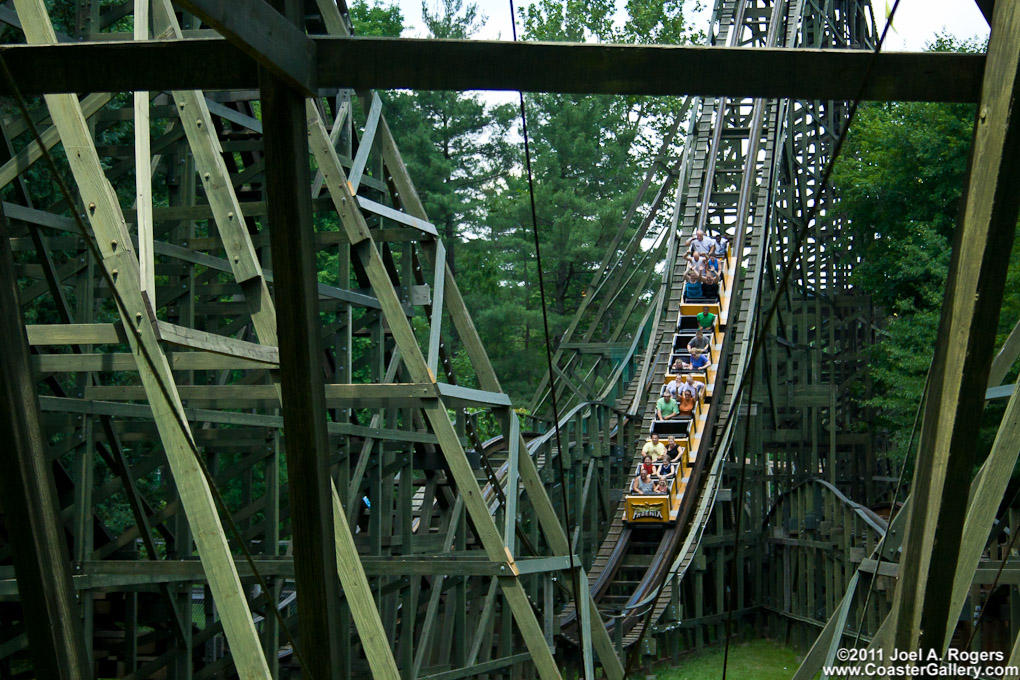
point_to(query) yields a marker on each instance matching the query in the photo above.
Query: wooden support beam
(986, 493)
(1005, 359)
(367, 142)
(205, 146)
(121, 263)
(364, 62)
(359, 594)
(340, 395)
(143, 168)
(952, 416)
(263, 34)
(512, 481)
(487, 380)
(29, 500)
(179, 361)
(33, 151)
(216, 344)
(364, 248)
(436, 323)
(313, 501)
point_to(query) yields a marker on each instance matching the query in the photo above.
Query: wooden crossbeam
(30, 501)
(369, 395)
(364, 62)
(127, 573)
(117, 256)
(365, 249)
(263, 34)
(487, 379)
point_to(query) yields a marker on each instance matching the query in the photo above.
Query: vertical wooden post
(970, 315)
(30, 500)
(289, 211)
(143, 168)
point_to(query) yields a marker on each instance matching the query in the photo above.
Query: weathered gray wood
(1005, 358)
(337, 395)
(986, 493)
(436, 323)
(313, 501)
(114, 242)
(363, 63)
(487, 379)
(364, 248)
(66, 405)
(217, 344)
(428, 627)
(143, 167)
(29, 500)
(397, 216)
(74, 333)
(179, 361)
(356, 588)
(33, 150)
(512, 481)
(367, 141)
(264, 35)
(969, 322)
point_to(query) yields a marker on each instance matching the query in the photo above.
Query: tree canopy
(900, 181)
(589, 154)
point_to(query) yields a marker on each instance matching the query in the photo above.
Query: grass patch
(756, 660)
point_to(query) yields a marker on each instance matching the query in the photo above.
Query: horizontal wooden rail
(369, 62)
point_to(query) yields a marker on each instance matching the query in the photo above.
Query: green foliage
(587, 156)
(900, 181)
(376, 19)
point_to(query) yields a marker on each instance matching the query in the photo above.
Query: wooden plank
(369, 62)
(358, 592)
(338, 395)
(67, 405)
(339, 124)
(436, 591)
(114, 243)
(436, 322)
(363, 247)
(265, 35)
(76, 334)
(179, 361)
(840, 622)
(403, 218)
(217, 344)
(479, 668)
(143, 169)
(39, 545)
(481, 631)
(512, 481)
(986, 494)
(487, 380)
(1005, 359)
(366, 143)
(205, 146)
(317, 521)
(982, 244)
(220, 264)
(33, 151)
(233, 115)
(468, 396)
(358, 474)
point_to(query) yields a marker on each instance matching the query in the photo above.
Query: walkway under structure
(170, 341)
